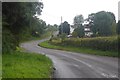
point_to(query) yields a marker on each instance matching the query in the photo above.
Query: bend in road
(76, 65)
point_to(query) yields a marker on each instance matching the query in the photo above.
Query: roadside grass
(26, 65)
(46, 44)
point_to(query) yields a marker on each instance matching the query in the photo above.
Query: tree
(118, 27)
(90, 19)
(79, 28)
(114, 27)
(38, 27)
(102, 23)
(78, 20)
(64, 28)
(18, 16)
(79, 31)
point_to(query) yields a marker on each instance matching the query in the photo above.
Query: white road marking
(76, 65)
(93, 67)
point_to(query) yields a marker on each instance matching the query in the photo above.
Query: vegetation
(26, 65)
(24, 25)
(79, 28)
(79, 31)
(82, 50)
(103, 23)
(20, 23)
(118, 27)
(64, 28)
(24, 22)
(99, 43)
(78, 20)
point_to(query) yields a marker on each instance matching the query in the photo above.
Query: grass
(26, 65)
(46, 44)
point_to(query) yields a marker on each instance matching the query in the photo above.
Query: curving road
(76, 65)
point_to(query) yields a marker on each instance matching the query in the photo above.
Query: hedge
(99, 43)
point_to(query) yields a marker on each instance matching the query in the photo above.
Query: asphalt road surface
(76, 65)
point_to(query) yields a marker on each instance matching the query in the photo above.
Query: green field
(26, 65)
(47, 44)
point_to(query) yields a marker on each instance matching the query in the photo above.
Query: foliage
(50, 45)
(8, 41)
(74, 34)
(64, 28)
(118, 27)
(99, 43)
(52, 27)
(114, 28)
(78, 20)
(18, 65)
(63, 36)
(38, 26)
(18, 17)
(102, 23)
(79, 31)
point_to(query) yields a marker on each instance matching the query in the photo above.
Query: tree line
(101, 24)
(20, 22)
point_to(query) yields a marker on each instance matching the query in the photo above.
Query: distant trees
(78, 20)
(79, 28)
(101, 24)
(64, 28)
(37, 27)
(79, 31)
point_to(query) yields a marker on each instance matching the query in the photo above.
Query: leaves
(18, 17)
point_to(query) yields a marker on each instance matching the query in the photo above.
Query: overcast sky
(54, 9)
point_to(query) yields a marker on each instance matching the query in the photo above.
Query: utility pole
(61, 25)
(61, 19)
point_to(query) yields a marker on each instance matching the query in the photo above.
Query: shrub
(8, 41)
(100, 43)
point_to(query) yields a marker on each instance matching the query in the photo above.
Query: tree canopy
(78, 20)
(103, 23)
(64, 28)
(18, 19)
(79, 31)
(118, 27)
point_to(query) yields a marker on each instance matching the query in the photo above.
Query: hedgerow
(99, 43)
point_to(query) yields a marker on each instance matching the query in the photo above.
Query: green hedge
(99, 43)
(9, 42)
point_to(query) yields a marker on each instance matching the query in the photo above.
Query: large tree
(79, 28)
(103, 23)
(17, 16)
(64, 28)
(78, 20)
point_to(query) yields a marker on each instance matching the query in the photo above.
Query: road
(76, 65)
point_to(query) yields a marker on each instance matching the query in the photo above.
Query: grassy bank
(26, 65)
(47, 44)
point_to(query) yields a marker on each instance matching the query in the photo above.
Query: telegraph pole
(61, 25)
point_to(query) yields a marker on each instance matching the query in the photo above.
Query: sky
(68, 9)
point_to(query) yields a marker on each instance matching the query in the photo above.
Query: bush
(100, 43)
(8, 41)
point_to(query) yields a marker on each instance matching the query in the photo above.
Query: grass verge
(26, 65)
(46, 44)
